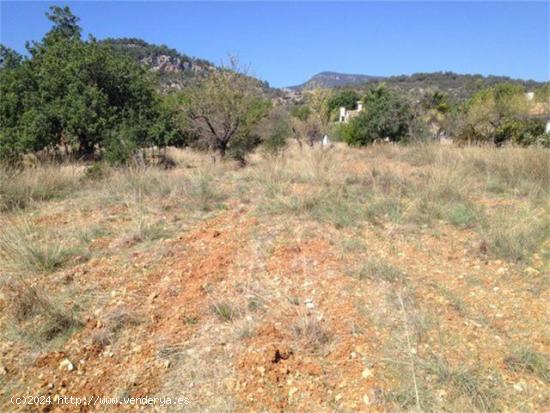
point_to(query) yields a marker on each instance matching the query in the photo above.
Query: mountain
(175, 70)
(458, 86)
(335, 79)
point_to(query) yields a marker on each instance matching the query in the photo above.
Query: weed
(518, 238)
(38, 318)
(526, 359)
(224, 311)
(26, 248)
(464, 384)
(19, 189)
(112, 324)
(377, 270)
(311, 331)
(463, 215)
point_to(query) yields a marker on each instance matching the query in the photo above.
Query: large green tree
(76, 93)
(385, 116)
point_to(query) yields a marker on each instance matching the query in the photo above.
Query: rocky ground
(340, 280)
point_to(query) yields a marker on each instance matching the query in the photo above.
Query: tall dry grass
(20, 189)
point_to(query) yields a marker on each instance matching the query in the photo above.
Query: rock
(3, 371)
(519, 387)
(167, 364)
(502, 270)
(309, 303)
(366, 373)
(366, 399)
(530, 271)
(229, 383)
(292, 391)
(66, 365)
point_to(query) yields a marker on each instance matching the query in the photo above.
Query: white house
(346, 115)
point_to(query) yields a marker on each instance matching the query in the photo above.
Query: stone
(518, 387)
(292, 391)
(366, 373)
(530, 271)
(366, 399)
(66, 365)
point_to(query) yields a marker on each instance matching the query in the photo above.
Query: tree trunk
(85, 149)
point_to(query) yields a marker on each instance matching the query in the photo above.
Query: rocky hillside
(459, 86)
(175, 70)
(334, 79)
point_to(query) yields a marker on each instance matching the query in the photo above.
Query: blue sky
(286, 43)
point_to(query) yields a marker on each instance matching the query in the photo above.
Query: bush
(120, 150)
(385, 115)
(277, 130)
(520, 131)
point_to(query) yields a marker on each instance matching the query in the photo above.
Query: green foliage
(9, 58)
(301, 112)
(345, 98)
(498, 115)
(542, 94)
(74, 92)
(385, 115)
(277, 131)
(520, 131)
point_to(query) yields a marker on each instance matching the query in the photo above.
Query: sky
(286, 43)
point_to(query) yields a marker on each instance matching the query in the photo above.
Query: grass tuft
(528, 360)
(224, 311)
(25, 248)
(377, 270)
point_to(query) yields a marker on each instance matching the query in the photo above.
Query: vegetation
(385, 116)
(237, 279)
(258, 259)
(224, 109)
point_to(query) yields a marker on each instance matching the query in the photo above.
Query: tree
(224, 109)
(275, 129)
(77, 94)
(9, 58)
(495, 115)
(347, 98)
(385, 115)
(312, 121)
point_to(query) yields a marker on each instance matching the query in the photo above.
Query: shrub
(277, 130)
(385, 115)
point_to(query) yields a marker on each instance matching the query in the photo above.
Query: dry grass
(424, 220)
(21, 189)
(525, 359)
(26, 248)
